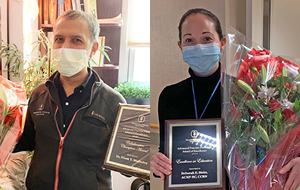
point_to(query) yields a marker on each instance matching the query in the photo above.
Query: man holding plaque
(70, 117)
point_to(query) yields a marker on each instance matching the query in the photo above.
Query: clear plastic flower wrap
(261, 95)
(12, 116)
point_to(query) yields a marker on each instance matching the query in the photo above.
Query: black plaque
(129, 147)
(195, 149)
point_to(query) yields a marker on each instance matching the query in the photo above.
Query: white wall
(3, 6)
(254, 20)
(16, 28)
(236, 15)
(123, 59)
(13, 29)
(285, 27)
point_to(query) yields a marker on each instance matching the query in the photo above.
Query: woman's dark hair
(205, 12)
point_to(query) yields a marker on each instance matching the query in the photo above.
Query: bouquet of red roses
(262, 115)
(12, 116)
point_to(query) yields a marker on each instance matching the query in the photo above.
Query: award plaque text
(195, 150)
(129, 147)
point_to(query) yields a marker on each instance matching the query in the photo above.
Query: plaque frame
(220, 184)
(119, 167)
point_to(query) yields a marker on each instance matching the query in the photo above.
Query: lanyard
(194, 96)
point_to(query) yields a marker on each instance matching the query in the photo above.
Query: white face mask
(70, 61)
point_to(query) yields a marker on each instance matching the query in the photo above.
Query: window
(139, 64)
(138, 41)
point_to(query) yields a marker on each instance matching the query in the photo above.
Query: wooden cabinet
(109, 27)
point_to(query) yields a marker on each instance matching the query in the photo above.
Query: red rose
(257, 59)
(290, 116)
(274, 105)
(255, 115)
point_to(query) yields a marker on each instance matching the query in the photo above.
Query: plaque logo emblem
(194, 134)
(141, 119)
(41, 107)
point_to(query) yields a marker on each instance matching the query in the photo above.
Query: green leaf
(105, 47)
(263, 74)
(254, 69)
(102, 51)
(9, 58)
(244, 86)
(15, 46)
(255, 105)
(258, 88)
(3, 50)
(89, 64)
(256, 134)
(12, 110)
(33, 49)
(133, 89)
(93, 62)
(297, 79)
(43, 43)
(106, 56)
(263, 134)
(275, 126)
(284, 72)
(35, 42)
(296, 106)
(278, 116)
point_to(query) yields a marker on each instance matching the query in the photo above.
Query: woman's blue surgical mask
(202, 58)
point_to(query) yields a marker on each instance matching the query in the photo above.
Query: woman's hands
(161, 165)
(293, 181)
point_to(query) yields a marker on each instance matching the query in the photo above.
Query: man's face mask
(202, 58)
(70, 61)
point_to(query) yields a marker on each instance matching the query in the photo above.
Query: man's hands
(161, 165)
(293, 181)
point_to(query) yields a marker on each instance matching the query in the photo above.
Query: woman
(202, 43)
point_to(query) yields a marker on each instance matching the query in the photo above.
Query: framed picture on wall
(3, 33)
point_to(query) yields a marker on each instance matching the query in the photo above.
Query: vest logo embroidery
(40, 111)
(98, 115)
(141, 119)
(41, 107)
